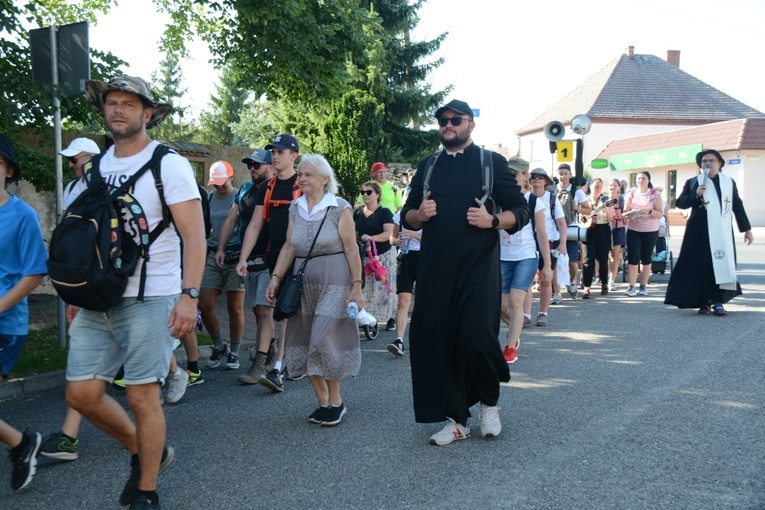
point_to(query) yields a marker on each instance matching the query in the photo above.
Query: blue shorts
(572, 247)
(518, 274)
(10, 349)
(618, 237)
(133, 334)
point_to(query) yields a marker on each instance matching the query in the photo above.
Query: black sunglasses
(367, 191)
(456, 121)
(73, 159)
(256, 166)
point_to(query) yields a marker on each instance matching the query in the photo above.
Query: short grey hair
(322, 166)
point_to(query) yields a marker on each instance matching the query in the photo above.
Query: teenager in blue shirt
(22, 265)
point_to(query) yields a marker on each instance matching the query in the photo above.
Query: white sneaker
(176, 386)
(557, 298)
(643, 292)
(631, 292)
(364, 318)
(490, 425)
(572, 290)
(453, 431)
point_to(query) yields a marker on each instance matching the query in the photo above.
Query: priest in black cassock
(456, 357)
(704, 275)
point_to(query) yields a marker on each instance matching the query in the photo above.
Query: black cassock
(692, 281)
(454, 348)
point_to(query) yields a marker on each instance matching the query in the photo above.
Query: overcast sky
(512, 61)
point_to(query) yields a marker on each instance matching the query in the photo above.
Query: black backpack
(91, 255)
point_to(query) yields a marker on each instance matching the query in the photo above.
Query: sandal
(719, 310)
(703, 310)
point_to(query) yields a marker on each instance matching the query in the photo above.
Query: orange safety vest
(268, 203)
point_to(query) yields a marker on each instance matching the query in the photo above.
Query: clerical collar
(461, 151)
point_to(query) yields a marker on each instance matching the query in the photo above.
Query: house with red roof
(648, 114)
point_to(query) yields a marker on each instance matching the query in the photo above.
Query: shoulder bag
(291, 291)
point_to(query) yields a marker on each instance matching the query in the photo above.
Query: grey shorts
(255, 284)
(133, 333)
(224, 279)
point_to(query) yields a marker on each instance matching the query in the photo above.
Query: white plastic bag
(561, 270)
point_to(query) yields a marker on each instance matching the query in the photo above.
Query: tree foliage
(26, 106)
(296, 49)
(217, 124)
(355, 139)
(167, 85)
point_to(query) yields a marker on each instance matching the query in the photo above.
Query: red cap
(377, 167)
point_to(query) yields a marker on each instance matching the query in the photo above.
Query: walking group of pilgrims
(466, 238)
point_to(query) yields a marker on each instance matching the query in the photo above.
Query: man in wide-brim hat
(139, 333)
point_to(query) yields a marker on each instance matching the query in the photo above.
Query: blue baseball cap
(259, 156)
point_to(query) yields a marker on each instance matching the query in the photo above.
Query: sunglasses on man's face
(367, 191)
(256, 166)
(73, 159)
(456, 121)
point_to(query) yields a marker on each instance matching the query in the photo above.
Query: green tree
(395, 73)
(296, 49)
(167, 85)
(26, 106)
(225, 110)
(355, 139)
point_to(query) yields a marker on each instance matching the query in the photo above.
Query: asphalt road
(620, 403)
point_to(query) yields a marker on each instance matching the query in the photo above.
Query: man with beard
(700, 280)
(139, 333)
(456, 358)
(257, 278)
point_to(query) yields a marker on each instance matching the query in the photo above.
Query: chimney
(630, 52)
(673, 57)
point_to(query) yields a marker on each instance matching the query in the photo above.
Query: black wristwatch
(494, 221)
(193, 292)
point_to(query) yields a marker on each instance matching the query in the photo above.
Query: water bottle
(352, 309)
(405, 248)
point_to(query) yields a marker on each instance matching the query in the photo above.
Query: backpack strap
(488, 176)
(428, 171)
(552, 205)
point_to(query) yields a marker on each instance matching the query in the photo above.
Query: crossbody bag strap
(310, 250)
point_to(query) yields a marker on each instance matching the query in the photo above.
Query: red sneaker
(511, 353)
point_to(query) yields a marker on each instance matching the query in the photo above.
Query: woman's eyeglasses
(256, 166)
(456, 121)
(537, 177)
(367, 191)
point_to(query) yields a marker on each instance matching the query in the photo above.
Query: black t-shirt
(373, 225)
(279, 213)
(246, 202)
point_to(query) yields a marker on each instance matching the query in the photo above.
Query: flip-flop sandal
(719, 310)
(703, 310)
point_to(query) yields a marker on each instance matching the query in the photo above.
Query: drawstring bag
(374, 267)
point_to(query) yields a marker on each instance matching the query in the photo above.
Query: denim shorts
(10, 349)
(255, 284)
(572, 247)
(518, 274)
(133, 333)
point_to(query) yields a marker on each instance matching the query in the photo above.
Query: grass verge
(41, 353)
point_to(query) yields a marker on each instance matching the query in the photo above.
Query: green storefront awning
(659, 157)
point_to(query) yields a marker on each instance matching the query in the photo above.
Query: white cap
(79, 145)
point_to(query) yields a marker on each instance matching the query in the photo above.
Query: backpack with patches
(92, 251)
